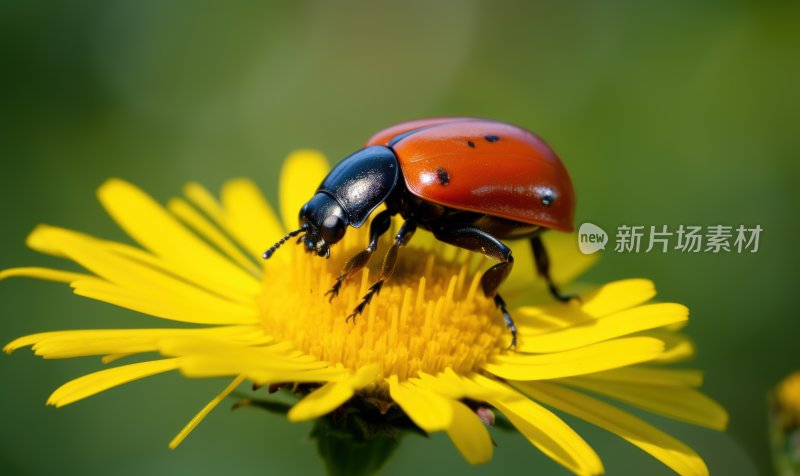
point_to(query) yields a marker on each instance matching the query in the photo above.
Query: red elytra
(489, 167)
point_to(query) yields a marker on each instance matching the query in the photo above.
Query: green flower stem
(359, 437)
(350, 453)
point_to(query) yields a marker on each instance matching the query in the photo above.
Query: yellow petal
(616, 325)
(451, 385)
(249, 216)
(214, 346)
(138, 278)
(682, 459)
(321, 401)
(97, 382)
(427, 409)
(204, 412)
(67, 344)
(534, 320)
(42, 273)
(271, 357)
(199, 366)
(651, 375)
(261, 364)
(205, 201)
(155, 229)
(585, 360)
(523, 277)
(163, 305)
(242, 212)
(50, 238)
(364, 376)
(331, 395)
(40, 242)
(680, 403)
(302, 173)
(616, 296)
(203, 366)
(203, 227)
(566, 260)
(677, 347)
(469, 434)
(107, 359)
(545, 430)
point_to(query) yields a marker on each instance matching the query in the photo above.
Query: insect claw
(334, 293)
(513, 344)
(352, 316)
(334, 290)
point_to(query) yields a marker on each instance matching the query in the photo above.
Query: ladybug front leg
(543, 268)
(402, 238)
(474, 239)
(378, 227)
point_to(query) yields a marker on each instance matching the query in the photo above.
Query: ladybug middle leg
(543, 268)
(380, 224)
(402, 238)
(472, 238)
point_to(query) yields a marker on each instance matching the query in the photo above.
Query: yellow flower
(429, 343)
(784, 424)
(787, 397)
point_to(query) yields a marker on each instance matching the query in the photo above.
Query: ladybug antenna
(268, 254)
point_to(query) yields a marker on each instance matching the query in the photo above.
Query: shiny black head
(346, 197)
(322, 223)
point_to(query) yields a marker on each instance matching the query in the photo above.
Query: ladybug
(471, 182)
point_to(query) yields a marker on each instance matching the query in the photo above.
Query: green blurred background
(665, 113)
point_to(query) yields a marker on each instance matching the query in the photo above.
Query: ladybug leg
(387, 269)
(543, 268)
(474, 239)
(501, 304)
(377, 228)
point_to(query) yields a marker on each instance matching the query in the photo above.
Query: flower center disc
(429, 316)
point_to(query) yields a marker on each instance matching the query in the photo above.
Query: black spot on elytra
(491, 138)
(441, 174)
(471, 144)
